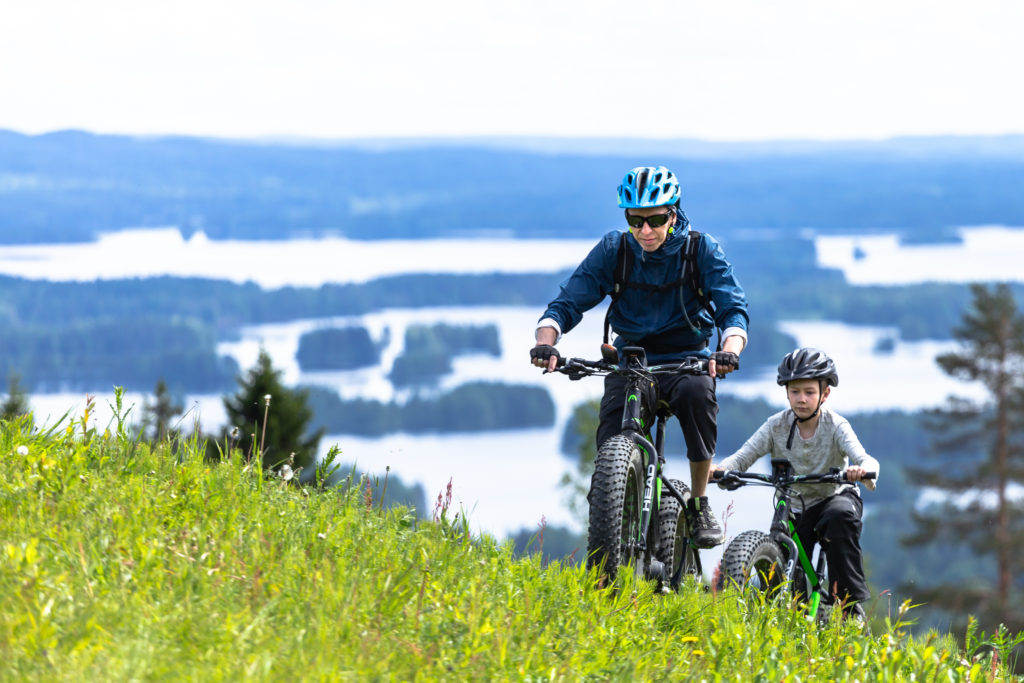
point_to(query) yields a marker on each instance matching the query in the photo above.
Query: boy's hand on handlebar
(715, 473)
(855, 473)
(545, 356)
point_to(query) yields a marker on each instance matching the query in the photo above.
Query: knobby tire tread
(749, 552)
(617, 461)
(672, 532)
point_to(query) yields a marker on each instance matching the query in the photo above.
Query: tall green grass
(121, 561)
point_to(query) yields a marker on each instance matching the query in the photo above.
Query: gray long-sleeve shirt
(833, 445)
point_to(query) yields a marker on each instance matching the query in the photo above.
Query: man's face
(803, 395)
(651, 239)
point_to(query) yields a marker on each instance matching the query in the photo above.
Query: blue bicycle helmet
(647, 186)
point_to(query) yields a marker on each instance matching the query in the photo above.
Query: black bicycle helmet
(807, 364)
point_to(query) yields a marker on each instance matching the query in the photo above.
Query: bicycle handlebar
(733, 479)
(692, 365)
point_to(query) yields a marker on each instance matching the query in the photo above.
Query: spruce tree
(978, 460)
(16, 403)
(157, 416)
(270, 419)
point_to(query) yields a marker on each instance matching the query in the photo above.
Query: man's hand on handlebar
(722, 363)
(714, 473)
(728, 359)
(545, 356)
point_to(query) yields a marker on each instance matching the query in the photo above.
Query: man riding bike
(674, 290)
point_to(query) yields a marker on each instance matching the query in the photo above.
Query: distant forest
(91, 336)
(70, 186)
(760, 200)
(471, 407)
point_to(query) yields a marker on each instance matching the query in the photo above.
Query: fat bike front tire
(673, 548)
(753, 561)
(616, 493)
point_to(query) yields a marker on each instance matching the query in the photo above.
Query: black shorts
(693, 401)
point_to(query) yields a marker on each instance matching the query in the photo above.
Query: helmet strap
(792, 429)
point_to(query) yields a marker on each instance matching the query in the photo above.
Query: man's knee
(694, 389)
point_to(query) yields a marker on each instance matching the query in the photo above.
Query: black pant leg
(695, 405)
(612, 404)
(836, 524)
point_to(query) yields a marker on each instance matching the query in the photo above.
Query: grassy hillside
(124, 562)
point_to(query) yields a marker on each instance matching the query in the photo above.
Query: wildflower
(266, 399)
(286, 472)
(322, 536)
(22, 450)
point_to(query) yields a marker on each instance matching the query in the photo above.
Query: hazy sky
(740, 70)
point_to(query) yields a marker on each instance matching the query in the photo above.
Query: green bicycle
(777, 561)
(632, 524)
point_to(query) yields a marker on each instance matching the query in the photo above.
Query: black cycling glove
(726, 358)
(543, 352)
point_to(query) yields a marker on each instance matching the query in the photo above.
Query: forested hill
(68, 186)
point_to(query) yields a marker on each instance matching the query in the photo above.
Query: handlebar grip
(870, 475)
(717, 475)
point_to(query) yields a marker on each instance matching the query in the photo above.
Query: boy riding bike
(670, 288)
(815, 439)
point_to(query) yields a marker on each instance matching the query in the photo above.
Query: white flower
(22, 450)
(286, 472)
(266, 399)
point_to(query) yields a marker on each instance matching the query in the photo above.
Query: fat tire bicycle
(776, 562)
(632, 523)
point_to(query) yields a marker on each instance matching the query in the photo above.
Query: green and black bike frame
(636, 423)
(783, 532)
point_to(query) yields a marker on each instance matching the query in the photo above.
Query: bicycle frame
(653, 454)
(783, 532)
(783, 528)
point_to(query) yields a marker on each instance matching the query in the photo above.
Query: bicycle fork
(654, 480)
(783, 532)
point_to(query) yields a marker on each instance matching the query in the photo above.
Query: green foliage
(552, 543)
(272, 421)
(420, 367)
(429, 349)
(475, 406)
(16, 403)
(119, 562)
(457, 339)
(342, 348)
(158, 414)
(991, 352)
(87, 354)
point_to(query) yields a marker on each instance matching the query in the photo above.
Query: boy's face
(804, 394)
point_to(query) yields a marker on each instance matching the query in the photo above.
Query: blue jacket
(655, 319)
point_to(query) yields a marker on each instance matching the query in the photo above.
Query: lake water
(986, 254)
(505, 480)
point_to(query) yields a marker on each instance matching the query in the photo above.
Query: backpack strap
(623, 269)
(691, 272)
(690, 276)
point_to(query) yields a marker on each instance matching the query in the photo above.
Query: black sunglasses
(655, 221)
